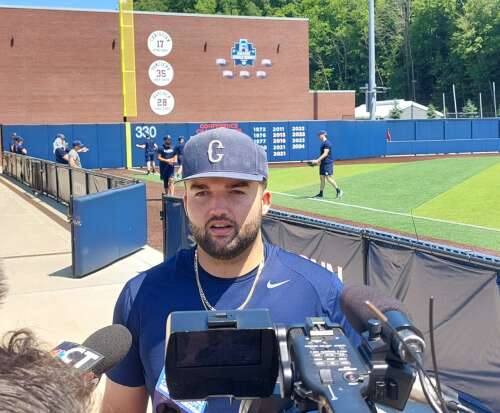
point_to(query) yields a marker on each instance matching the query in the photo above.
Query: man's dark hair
(31, 380)
(181, 139)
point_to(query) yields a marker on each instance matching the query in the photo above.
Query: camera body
(241, 354)
(231, 353)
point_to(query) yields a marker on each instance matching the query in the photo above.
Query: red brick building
(63, 66)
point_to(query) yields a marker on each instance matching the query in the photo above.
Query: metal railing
(57, 180)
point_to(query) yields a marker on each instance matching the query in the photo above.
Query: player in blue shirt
(231, 267)
(150, 148)
(179, 150)
(325, 162)
(19, 147)
(13, 142)
(61, 149)
(167, 158)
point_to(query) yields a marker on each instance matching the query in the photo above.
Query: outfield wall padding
(107, 226)
(105, 141)
(442, 146)
(293, 141)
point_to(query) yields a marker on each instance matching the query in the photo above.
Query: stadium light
(245, 74)
(221, 62)
(261, 74)
(266, 62)
(227, 74)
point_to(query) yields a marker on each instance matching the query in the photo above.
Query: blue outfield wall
(422, 137)
(105, 141)
(292, 141)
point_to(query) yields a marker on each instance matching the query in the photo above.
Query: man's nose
(218, 204)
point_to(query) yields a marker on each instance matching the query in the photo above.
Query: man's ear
(184, 198)
(266, 201)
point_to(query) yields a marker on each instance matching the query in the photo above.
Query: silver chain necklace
(203, 297)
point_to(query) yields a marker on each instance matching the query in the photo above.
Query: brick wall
(61, 66)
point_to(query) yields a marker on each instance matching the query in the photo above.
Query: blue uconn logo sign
(243, 53)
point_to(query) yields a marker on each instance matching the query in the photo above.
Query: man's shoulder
(160, 275)
(300, 264)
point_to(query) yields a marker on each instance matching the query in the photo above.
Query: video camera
(242, 354)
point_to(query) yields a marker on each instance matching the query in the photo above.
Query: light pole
(372, 91)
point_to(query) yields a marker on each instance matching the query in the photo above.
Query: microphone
(353, 304)
(100, 352)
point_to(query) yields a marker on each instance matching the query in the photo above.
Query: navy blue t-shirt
(291, 287)
(19, 148)
(149, 148)
(329, 159)
(179, 150)
(166, 169)
(59, 154)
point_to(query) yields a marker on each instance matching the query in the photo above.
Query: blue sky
(76, 4)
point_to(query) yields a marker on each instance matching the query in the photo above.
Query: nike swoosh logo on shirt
(271, 285)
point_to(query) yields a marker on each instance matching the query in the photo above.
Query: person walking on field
(325, 162)
(168, 159)
(150, 148)
(179, 150)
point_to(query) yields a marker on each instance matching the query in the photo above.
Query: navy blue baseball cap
(224, 153)
(77, 143)
(322, 132)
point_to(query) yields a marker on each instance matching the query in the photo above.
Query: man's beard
(243, 237)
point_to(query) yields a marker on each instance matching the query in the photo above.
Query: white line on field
(403, 214)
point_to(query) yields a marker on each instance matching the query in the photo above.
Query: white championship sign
(162, 102)
(161, 72)
(160, 43)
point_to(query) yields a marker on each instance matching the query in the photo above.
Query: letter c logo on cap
(218, 156)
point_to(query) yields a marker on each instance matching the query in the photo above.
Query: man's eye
(200, 193)
(237, 192)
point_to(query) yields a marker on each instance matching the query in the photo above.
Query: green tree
(338, 54)
(396, 111)
(469, 110)
(476, 45)
(431, 111)
(153, 5)
(432, 24)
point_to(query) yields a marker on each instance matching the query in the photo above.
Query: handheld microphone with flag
(101, 351)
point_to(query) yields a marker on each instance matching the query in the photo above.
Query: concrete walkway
(35, 250)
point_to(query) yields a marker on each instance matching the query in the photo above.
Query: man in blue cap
(13, 142)
(325, 162)
(231, 267)
(19, 147)
(73, 155)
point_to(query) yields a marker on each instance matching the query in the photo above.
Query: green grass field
(455, 199)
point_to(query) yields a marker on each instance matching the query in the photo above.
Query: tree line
(423, 47)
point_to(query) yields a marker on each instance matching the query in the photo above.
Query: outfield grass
(456, 199)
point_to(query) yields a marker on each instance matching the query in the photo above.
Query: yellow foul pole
(127, 48)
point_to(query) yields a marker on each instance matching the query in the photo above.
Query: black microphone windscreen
(113, 342)
(352, 303)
